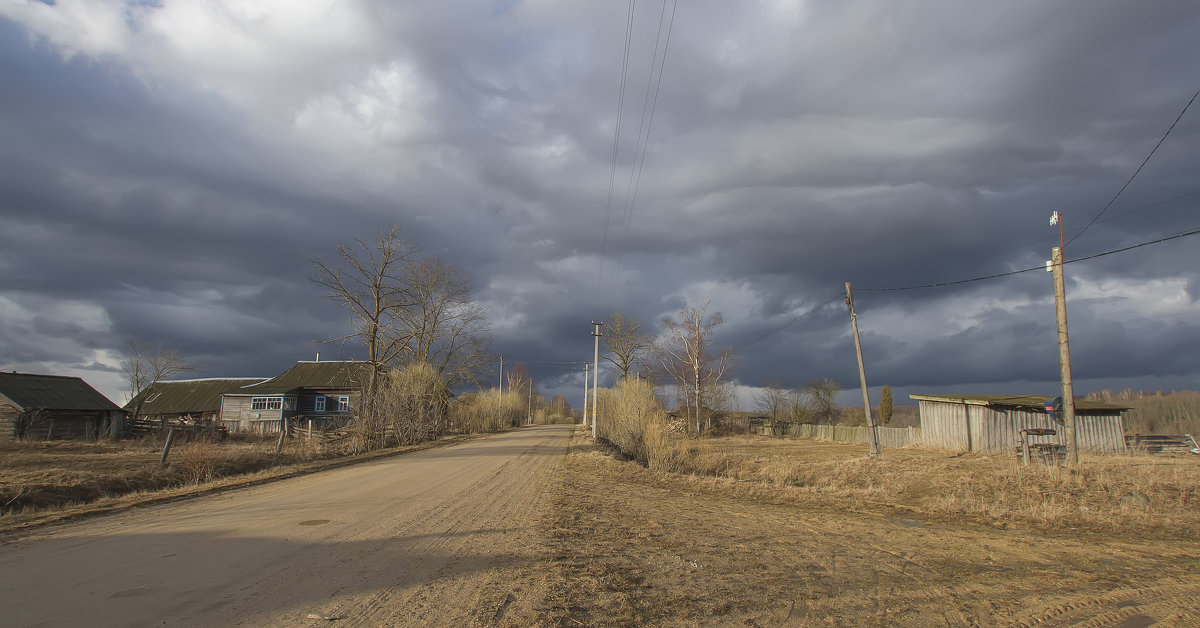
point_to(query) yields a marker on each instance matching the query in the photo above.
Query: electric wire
(1139, 168)
(791, 322)
(942, 284)
(612, 174)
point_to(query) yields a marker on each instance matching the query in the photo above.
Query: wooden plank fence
(888, 436)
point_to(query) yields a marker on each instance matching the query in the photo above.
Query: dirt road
(420, 539)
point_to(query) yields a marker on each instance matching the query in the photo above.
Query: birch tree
(684, 352)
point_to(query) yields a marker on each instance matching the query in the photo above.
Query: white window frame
(266, 403)
(343, 403)
(319, 403)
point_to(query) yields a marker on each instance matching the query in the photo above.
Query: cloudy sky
(168, 169)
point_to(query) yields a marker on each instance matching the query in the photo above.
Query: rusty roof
(28, 391)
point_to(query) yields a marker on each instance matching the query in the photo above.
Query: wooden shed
(992, 423)
(185, 399)
(43, 407)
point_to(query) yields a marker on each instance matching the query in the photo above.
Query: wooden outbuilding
(44, 407)
(186, 400)
(993, 423)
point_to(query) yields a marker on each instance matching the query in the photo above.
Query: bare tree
(822, 395)
(686, 359)
(624, 343)
(145, 365)
(772, 400)
(371, 282)
(445, 328)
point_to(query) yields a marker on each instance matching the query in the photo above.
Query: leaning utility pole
(586, 372)
(596, 376)
(872, 435)
(1057, 257)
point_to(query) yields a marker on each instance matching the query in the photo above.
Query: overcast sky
(168, 169)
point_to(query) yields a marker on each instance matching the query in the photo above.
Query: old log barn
(993, 423)
(185, 399)
(321, 391)
(44, 407)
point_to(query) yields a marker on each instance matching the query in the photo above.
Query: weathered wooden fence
(888, 436)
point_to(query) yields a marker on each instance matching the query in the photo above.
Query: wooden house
(189, 400)
(321, 391)
(44, 407)
(993, 423)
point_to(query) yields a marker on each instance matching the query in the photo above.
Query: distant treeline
(1156, 412)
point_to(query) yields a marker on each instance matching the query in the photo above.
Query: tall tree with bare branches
(623, 344)
(772, 400)
(145, 365)
(371, 282)
(685, 355)
(446, 328)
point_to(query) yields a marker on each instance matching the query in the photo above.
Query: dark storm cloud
(167, 175)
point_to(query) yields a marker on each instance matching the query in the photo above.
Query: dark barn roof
(344, 375)
(51, 392)
(187, 395)
(1033, 402)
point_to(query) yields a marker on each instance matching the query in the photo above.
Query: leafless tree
(624, 343)
(145, 365)
(684, 353)
(772, 400)
(822, 399)
(445, 328)
(371, 282)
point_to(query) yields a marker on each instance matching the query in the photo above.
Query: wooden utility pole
(1064, 355)
(872, 434)
(500, 399)
(595, 376)
(586, 372)
(529, 403)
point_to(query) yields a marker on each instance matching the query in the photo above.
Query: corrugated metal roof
(52, 392)
(344, 375)
(1020, 401)
(187, 395)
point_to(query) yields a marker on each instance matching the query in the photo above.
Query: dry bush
(478, 412)
(198, 460)
(1174, 413)
(626, 412)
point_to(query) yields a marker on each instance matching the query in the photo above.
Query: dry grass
(1103, 495)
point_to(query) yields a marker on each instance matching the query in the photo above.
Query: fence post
(162, 461)
(283, 428)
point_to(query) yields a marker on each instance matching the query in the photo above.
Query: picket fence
(888, 436)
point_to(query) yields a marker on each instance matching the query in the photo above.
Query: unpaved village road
(410, 540)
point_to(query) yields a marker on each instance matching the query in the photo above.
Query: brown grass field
(805, 533)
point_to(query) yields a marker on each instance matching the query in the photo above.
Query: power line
(785, 325)
(1139, 168)
(943, 284)
(612, 173)
(635, 174)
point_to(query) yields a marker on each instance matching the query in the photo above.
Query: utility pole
(595, 376)
(500, 399)
(1057, 258)
(1064, 355)
(872, 435)
(529, 403)
(586, 373)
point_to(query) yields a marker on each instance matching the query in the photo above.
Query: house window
(319, 403)
(289, 403)
(344, 403)
(266, 403)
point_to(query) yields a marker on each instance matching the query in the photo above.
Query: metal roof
(185, 396)
(51, 392)
(1037, 402)
(346, 375)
